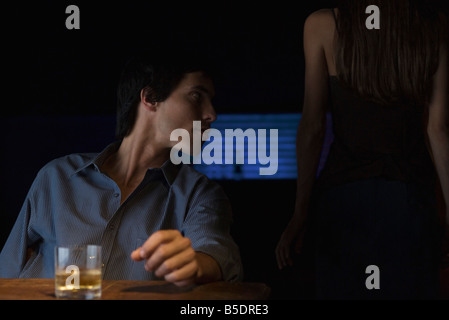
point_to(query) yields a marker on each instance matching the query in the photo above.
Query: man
(153, 219)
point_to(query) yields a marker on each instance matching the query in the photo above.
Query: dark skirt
(390, 225)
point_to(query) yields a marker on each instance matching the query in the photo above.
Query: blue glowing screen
(286, 125)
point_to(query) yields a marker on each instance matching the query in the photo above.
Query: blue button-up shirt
(72, 202)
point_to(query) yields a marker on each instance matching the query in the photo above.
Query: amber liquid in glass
(88, 287)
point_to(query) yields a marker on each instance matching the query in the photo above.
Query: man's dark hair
(159, 74)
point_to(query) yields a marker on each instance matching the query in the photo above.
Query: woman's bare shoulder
(320, 22)
(319, 27)
(321, 16)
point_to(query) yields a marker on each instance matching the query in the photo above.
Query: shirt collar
(169, 169)
(100, 158)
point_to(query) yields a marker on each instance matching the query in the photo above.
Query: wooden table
(43, 289)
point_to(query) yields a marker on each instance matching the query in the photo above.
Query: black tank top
(374, 140)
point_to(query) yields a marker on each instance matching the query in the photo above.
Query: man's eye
(196, 96)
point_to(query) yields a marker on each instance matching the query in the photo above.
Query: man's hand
(170, 255)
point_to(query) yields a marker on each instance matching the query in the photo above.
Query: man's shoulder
(68, 164)
(188, 172)
(198, 181)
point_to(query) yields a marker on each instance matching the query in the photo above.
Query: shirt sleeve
(207, 224)
(14, 252)
(13, 256)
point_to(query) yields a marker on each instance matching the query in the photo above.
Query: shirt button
(116, 195)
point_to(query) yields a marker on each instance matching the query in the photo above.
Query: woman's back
(374, 136)
(388, 95)
(375, 140)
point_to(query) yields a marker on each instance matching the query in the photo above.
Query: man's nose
(209, 113)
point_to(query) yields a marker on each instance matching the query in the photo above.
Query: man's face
(190, 101)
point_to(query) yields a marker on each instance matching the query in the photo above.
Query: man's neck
(128, 166)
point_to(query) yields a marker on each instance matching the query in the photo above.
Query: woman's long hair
(395, 62)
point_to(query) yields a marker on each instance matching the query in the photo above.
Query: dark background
(59, 95)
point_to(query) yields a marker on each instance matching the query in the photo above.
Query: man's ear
(147, 97)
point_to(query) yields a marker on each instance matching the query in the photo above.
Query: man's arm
(202, 250)
(169, 254)
(15, 252)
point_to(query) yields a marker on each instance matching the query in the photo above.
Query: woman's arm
(438, 125)
(312, 127)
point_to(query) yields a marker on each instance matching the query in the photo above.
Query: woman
(375, 198)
